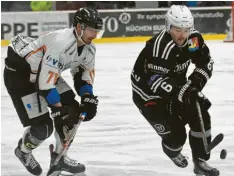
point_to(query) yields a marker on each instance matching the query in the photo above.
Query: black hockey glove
(198, 81)
(65, 118)
(89, 105)
(188, 95)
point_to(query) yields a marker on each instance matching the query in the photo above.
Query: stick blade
(215, 141)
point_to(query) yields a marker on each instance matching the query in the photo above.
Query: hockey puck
(223, 154)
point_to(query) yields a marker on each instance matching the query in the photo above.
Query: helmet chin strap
(79, 37)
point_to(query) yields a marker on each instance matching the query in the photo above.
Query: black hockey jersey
(161, 67)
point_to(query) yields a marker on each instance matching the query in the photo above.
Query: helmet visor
(98, 32)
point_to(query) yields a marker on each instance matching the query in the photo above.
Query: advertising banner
(148, 23)
(119, 23)
(31, 24)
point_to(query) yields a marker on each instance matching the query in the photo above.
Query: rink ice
(119, 141)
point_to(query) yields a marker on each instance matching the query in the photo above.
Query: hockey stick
(217, 138)
(67, 143)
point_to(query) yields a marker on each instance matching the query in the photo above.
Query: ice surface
(119, 141)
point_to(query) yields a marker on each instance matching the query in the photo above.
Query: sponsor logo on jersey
(193, 44)
(29, 106)
(182, 67)
(53, 62)
(157, 69)
(154, 78)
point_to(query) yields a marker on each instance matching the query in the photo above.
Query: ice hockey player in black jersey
(166, 97)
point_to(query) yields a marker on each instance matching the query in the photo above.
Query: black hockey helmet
(88, 17)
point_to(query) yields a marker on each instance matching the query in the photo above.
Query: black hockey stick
(217, 138)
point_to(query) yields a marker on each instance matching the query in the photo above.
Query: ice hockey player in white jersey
(32, 78)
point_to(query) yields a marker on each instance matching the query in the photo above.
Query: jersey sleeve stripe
(42, 48)
(159, 83)
(201, 71)
(155, 83)
(142, 94)
(182, 91)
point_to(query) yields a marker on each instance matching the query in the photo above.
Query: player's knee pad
(42, 131)
(35, 135)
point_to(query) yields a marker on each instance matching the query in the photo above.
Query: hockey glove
(89, 105)
(198, 81)
(188, 95)
(65, 118)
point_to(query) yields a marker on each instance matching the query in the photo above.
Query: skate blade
(199, 174)
(55, 173)
(69, 174)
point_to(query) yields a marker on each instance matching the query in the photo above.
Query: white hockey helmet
(179, 16)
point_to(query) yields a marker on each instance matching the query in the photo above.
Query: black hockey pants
(171, 128)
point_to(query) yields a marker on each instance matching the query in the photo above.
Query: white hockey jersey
(55, 51)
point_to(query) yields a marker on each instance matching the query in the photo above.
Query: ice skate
(72, 167)
(28, 160)
(180, 160)
(201, 168)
